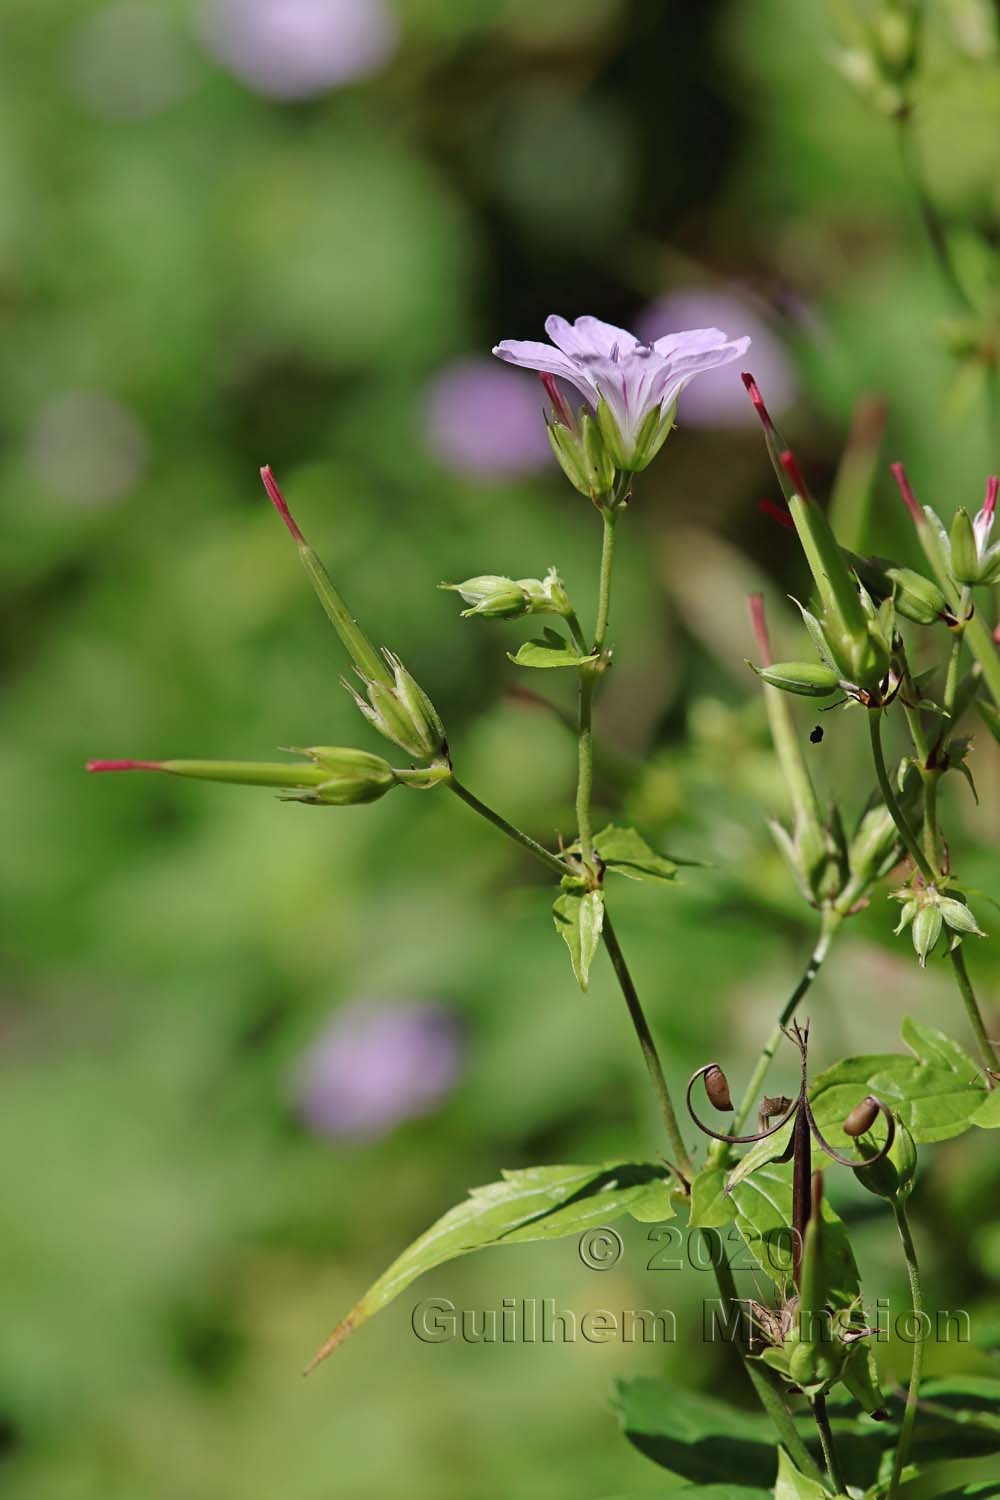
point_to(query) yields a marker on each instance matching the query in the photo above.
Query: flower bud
(958, 917)
(862, 1117)
(810, 679)
(965, 567)
(917, 598)
(491, 595)
(926, 930)
(402, 712)
(351, 776)
(717, 1089)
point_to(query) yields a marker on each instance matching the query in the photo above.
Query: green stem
(931, 779)
(651, 1057)
(524, 839)
(987, 1050)
(766, 1384)
(936, 236)
(641, 1026)
(826, 1439)
(588, 680)
(913, 849)
(913, 1394)
(832, 918)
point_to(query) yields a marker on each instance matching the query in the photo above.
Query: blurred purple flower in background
(481, 422)
(717, 397)
(377, 1064)
(86, 448)
(292, 49)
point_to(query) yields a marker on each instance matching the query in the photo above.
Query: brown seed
(717, 1088)
(862, 1117)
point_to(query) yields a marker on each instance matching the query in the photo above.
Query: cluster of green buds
(581, 445)
(500, 598)
(882, 48)
(929, 912)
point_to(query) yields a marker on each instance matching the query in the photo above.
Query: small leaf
(579, 918)
(950, 1476)
(760, 1154)
(710, 1207)
(626, 852)
(791, 1485)
(933, 1047)
(551, 650)
(534, 1203)
(990, 717)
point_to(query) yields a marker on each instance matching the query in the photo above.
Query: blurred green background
(289, 231)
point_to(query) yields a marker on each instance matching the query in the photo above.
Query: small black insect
(816, 734)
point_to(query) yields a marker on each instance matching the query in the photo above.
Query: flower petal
(597, 337)
(689, 341)
(531, 355)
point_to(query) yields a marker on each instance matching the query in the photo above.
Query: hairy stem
(913, 1394)
(891, 801)
(832, 918)
(588, 680)
(987, 1049)
(648, 1047)
(822, 1417)
(524, 839)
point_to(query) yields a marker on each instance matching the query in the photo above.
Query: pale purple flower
(719, 400)
(293, 49)
(632, 386)
(377, 1064)
(482, 423)
(982, 526)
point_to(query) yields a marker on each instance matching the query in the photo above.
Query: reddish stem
(906, 490)
(759, 622)
(277, 499)
(123, 765)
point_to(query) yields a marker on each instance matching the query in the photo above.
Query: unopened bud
(916, 598)
(717, 1089)
(491, 595)
(862, 1117)
(926, 930)
(334, 776)
(965, 565)
(810, 679)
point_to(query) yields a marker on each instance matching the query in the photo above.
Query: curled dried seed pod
(862, 1117)
(717, 1089)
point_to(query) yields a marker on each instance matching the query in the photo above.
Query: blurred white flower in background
(717, 397)
(482, 423)
(377, 1064)
(86, 448)
(127, 61)
(293, 49)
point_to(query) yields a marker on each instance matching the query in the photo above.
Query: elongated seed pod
(717, 1089)
(862, 1117)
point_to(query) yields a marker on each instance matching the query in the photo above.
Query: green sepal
(579, 918)
(550, 650)
(809, 679)
(965, 568)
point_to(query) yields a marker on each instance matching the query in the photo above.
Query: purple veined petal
(531, 355)
(709, 359)
(603, 338)
(690, 341)
(588, 337)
